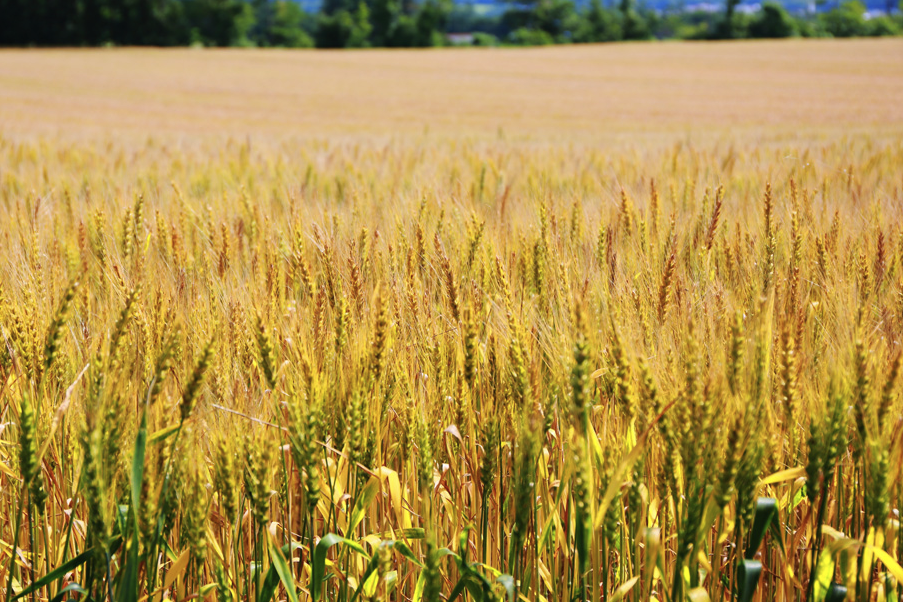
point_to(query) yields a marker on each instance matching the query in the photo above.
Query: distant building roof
(460, 38)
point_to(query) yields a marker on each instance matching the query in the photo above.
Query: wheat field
(591, 323)
(563, 94)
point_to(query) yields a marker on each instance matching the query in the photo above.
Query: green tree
(362, 30)
(633, 25)
(430, 22)
(384, 19)
(883, 25)
(42, 22)
(727, 28)
(598, 25)
(773, 21)
(846, 21)
(91, 22)
(259, 33)
(288, 26)
(344, 29)
(557, 20)
(139, 22)
(404, 34)
(526, 36)
(218, 22)
(331, 7)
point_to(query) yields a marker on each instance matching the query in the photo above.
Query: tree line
(406, 23)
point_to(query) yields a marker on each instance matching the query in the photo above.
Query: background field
(588, 93)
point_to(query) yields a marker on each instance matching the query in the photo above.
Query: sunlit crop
(442, 369)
